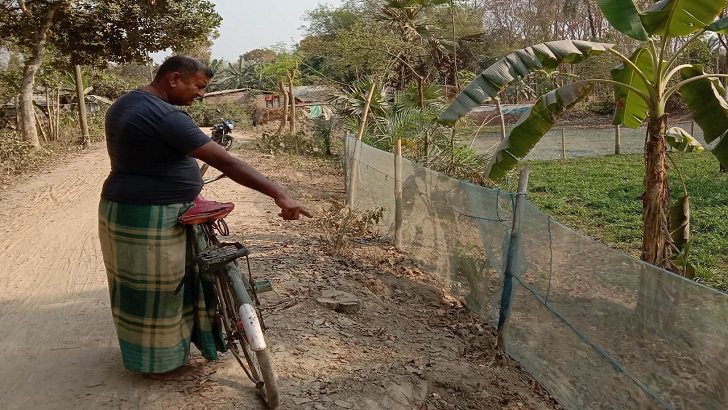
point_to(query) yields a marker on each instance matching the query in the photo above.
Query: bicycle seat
(203, 210)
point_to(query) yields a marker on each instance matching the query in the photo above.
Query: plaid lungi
(144, 249)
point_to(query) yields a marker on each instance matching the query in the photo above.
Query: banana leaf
(632, 109)
(623, 16)
(536, 122)
(682, 141)
(680, 232)
(494, 79)
(710, 110)
(719, 26)
(675, 18)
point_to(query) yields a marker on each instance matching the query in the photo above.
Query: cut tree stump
(339, 301)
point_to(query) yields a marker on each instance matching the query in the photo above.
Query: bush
(299, 143)
(14, 152)
(109, 85)
(206, 114)
(601, 107)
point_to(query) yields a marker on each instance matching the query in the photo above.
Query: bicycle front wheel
(260, 361)
(260, 367)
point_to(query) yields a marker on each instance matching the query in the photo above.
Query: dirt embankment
(410, 346)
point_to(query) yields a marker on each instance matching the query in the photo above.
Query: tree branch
(24, 9)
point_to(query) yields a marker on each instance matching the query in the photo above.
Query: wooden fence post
(617, 140)
(563, 145)
(354, 168)
(398, 194)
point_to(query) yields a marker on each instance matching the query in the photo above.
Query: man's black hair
(184, 65)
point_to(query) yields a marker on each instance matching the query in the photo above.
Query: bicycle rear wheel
(260, 368)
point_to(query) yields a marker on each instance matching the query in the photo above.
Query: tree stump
(339, 301)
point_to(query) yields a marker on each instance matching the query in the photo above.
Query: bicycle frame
(237, 300)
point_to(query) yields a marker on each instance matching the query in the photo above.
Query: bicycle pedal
(217, 256)
(263, 286)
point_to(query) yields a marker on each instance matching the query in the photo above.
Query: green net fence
(598, 328)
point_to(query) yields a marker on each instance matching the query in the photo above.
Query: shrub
(14, 152)
(207, 114)
(601, 107)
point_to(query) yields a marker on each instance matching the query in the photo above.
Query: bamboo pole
(284, 116)
(563, 145)
(368, 103)
(510, 264)
(617, 140)
(354, 160)
(40, 126)
(398, 194)
(502, 118)
(292, 125)
(57, 109)
(85, 138)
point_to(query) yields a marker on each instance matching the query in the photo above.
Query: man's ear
(174, 78)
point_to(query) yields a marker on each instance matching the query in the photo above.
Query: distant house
(94, 103)
(239, 96)
(313, 94)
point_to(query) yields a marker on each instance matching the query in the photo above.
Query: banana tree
(642, 85)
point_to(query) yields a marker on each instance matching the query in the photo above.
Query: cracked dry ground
(409, 346)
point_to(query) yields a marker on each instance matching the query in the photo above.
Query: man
(154, 177)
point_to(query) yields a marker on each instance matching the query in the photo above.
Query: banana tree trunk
(657, 298)
(656, 200)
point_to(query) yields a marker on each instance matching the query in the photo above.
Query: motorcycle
(221, 133)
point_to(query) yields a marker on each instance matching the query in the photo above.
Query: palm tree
(241, 74)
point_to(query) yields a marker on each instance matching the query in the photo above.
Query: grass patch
(599, 197)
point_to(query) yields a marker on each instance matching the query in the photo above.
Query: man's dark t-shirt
(148, 141)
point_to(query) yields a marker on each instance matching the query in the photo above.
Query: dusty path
(409, 347)
(58, 347)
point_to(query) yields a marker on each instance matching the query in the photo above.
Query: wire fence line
(598, 328)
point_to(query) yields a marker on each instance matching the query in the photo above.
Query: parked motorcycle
(221, 133)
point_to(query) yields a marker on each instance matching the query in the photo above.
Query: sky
(248, 25)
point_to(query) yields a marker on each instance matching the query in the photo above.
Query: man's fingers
(293, 213)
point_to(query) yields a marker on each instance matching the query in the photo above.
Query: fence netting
(598, 328)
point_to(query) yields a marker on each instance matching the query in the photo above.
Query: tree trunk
(27, 112)
(284, 117)
(85, 140)
(656, 198)
(657, 300)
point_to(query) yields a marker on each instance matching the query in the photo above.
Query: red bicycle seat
(203, 210)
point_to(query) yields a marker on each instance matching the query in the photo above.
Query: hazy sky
(248, 25)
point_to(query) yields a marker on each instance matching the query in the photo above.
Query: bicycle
(241, 320)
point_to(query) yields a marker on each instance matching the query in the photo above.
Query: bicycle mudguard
(203, 210)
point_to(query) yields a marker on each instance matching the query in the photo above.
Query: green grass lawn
(599, 196)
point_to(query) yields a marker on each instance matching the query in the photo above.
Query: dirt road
(410, 347)
(58, 347)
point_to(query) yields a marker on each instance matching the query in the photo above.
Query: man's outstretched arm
(246, 175)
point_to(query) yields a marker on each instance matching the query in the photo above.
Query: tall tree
(97, 32)
(29, 26)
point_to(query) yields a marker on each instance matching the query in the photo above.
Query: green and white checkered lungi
(144, 248)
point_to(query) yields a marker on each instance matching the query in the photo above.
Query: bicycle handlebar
(213, 179)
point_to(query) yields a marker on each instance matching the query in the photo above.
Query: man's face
(185, 89)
